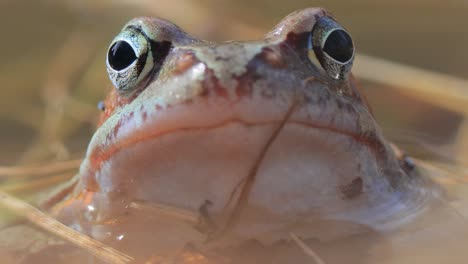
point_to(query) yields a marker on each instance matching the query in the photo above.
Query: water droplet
(91, 208)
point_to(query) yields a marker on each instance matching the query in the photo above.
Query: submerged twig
(250, 179)
(39, 170)
(37, 217)
(307, 249)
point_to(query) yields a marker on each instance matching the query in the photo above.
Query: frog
(259, 139)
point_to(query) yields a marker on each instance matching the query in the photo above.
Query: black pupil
(339, 46)
(121, 55)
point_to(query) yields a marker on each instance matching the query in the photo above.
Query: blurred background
(411, 64)
(53, 63)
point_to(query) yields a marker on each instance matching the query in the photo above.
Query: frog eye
(333, 47)
(121, 55)
(132, 56)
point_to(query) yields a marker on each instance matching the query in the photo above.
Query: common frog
(259, 139)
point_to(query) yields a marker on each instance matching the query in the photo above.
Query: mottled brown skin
(242, 91)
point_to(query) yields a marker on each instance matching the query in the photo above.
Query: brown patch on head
(220, 91)
(212, 84)
(184, 62)
(244, 84)
(273, 58)
(353, 189)
(204, 92)
(243, 90)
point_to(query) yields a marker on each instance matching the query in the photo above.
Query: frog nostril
(339, 46)
(121, 55)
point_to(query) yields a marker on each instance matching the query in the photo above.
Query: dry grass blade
(34, 185)
(307, 249)
(62, 77)
(440, 89)
(446, 178)
(462, 143)
(101, 251)
(39, 170)
(441, 173)
(167, 211)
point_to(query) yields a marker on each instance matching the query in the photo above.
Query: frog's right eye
(131, 57)
(333, 47)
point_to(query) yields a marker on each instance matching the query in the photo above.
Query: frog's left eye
(130, 58)
(332, 46)
(121, 55)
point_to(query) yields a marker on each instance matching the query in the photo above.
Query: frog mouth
(182, 161)
(219, 149)
(135, 127)
(296, 167)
